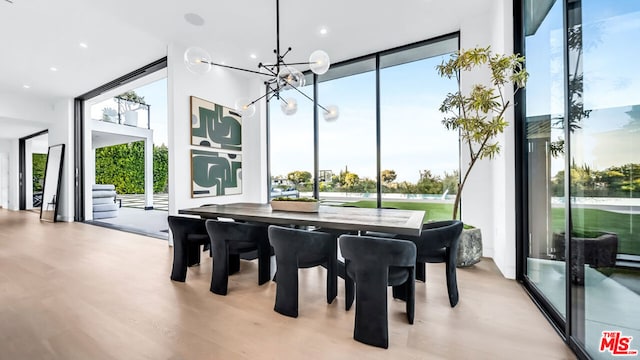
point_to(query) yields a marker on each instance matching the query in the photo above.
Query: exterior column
(148, 173)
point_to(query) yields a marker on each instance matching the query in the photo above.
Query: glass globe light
(290, 77)
(197, 60)
(331, 114)
(319, 62)
(289, 106)
(245, 107)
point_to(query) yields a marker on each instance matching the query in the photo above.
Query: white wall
(489, 196)
(488, 200)
(222, 86)
(4, 173)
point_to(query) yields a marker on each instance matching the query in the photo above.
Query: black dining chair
(188, 235)
(438, 242)
(296, 249)
(373, 264)
(228, 241)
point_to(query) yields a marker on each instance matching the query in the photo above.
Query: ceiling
(123, 35)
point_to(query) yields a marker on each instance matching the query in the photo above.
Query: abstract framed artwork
(215, 126)
(215, 173)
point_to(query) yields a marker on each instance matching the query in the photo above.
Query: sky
(604, 139)
(412, 135)
(155, 95)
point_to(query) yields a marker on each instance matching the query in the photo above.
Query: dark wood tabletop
(405, 222)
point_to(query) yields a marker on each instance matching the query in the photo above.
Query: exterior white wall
(222, 86)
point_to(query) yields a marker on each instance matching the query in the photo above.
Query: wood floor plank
(77, 291)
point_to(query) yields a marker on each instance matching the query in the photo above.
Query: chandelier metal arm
(235, 68)
(267, 67)
(308, 97)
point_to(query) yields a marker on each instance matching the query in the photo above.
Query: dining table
(392, 221)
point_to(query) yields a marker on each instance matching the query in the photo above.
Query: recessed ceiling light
(53, 68)
(194, 19)
(26, 86)
(323, 30)
(253, 56)
(84, 45)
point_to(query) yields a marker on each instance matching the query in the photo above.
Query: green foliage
(428, 183)
(39, 162)
(388, 176)
(615, 181)
(123, 166)
(478, 115)
(301, 199)
(131, 101)
(299, 177)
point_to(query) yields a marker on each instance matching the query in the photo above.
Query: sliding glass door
(582, 140)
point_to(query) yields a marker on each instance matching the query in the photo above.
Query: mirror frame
(53, 166)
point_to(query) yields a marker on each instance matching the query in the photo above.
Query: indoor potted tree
(479, 116)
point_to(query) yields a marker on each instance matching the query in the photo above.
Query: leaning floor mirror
(51, 191)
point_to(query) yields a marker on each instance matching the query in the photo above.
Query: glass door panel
(604, 95)
(545, 267)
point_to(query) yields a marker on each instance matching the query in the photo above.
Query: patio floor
(133, 218)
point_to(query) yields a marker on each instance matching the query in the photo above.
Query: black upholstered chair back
(439, 234)
(438, 242)
(188, 235)
(309, 248)
(228, 240)
(363, 251)
(374, 263)
(294, 249)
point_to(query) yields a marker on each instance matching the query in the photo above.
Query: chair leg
(180, 258)
(193, 254)
(421, 273)
(400, 291)
(349, 288)
(452, 283)
(220, 273)
(287, 289)
(264, 262)
(371, 324)
(234, 263)
(411, 297)
(332, 279)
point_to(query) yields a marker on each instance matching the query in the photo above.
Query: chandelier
(282, 76)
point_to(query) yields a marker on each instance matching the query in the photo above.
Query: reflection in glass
(52, 180)
(604, 90)
(546, 151)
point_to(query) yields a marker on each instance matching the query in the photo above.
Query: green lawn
(626, 226)
(435, 211)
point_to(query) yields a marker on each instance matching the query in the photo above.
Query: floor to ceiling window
(420, 158)
(387, 148)
(347, 148)
(582, 136)
(291, 139)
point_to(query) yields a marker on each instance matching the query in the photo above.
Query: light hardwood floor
(77, 291)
